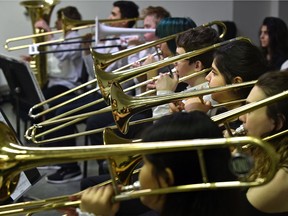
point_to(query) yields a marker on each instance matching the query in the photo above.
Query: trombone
(17, 158)
(68, 25)
(121, 117)
(104, 83)
(103, 60)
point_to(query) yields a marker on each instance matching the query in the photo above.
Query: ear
(280, 122)
(198, 66)
(169, 177)
(237, 79)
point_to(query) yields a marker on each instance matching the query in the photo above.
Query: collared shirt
(65, 68)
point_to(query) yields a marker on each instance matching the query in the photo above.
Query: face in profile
(150, 23)
(264, 36)
(216, 79)
(164, 50)
(150, 181)
(116, 14)
(257, 123)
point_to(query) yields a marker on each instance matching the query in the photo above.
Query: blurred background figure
(273, 36)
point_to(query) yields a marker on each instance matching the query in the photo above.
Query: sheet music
(22, 186)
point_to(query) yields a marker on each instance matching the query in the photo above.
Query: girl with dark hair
(271, 198)
(273, 37)
(237, 62)
(161, 170)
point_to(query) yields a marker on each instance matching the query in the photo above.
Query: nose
(242, 118)
(208, 77)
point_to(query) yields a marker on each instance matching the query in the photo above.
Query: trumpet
(16, 158)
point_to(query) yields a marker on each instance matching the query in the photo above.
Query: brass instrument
(78, 88)
(103, 60)
(39, 10)
(16, 158)
(106, 79)
(68, 25)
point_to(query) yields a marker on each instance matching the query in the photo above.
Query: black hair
(278, 42)
(186, 168)
(69, 12)
(128, 9)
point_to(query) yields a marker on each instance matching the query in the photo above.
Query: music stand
(24, 88)
(27, 178)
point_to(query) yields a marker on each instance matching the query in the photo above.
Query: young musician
(162, 170)
(271, 198)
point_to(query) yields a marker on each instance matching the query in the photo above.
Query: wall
(246, 14)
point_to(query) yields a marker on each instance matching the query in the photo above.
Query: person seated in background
(71, 171)
(64, 68)
(271, 198)
(191, 40)
(168, 169)
(152, 16)
(273, 36)
(237, 62)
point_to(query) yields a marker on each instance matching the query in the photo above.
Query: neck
(196, 80)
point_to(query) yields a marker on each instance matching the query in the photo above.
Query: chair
(24, 88)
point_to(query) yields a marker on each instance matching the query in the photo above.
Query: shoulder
(271, 197)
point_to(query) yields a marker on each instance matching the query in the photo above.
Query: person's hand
(71, 211)
(98, 200)
(150, 59)
(176, 106)
(134, 40)
(42, 24)
(86, 43)
(197, 103)
(26, 58)
(150, 86)
(165, 82)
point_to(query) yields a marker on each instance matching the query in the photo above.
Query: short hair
(173, 25)
(198, 38)
(69, 12)
(128, 9)
(158, 12)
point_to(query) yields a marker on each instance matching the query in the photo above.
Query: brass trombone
(17, 158)
(106, 79)
(103, 60)
(133, 104)
(68, 25)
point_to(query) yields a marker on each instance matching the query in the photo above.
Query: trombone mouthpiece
(129, 188)
(240, 131)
